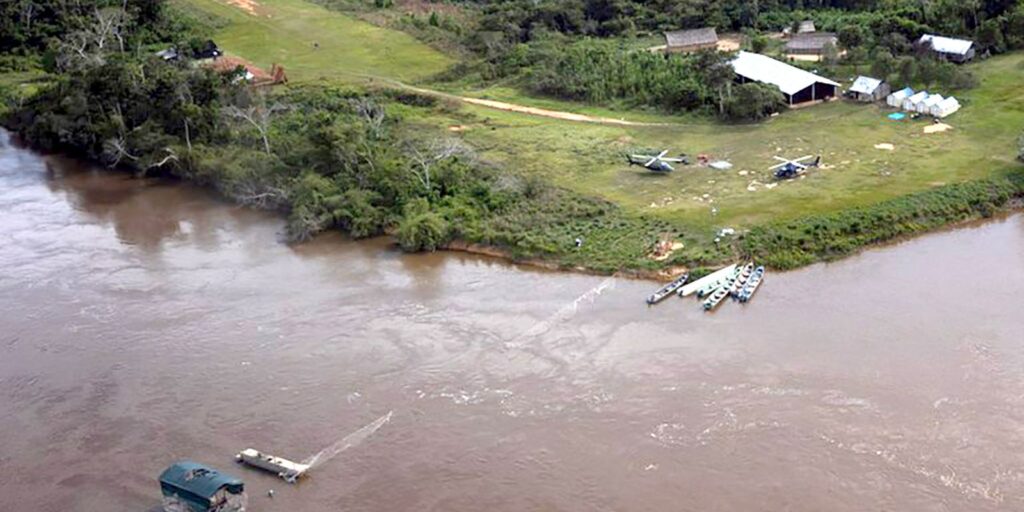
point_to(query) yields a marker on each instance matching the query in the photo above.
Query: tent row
(923, 103)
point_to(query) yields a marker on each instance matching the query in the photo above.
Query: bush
(421, 229)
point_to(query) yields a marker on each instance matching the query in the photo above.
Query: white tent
(910, 104)
(926, 106)
(945, 107)
(896, 99)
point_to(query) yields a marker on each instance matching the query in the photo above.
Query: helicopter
(658, 163)
(793, 168)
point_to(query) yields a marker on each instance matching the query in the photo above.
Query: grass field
(284, 31)
(588, 158)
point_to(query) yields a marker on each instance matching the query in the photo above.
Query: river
(143, 321)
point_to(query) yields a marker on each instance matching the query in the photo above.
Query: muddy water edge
(144, 321)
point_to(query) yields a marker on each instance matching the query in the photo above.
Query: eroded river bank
(142, 322)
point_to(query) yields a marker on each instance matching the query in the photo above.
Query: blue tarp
(896, 116)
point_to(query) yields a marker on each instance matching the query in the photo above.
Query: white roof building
(794, 82)
(865, 85)
(944, 44)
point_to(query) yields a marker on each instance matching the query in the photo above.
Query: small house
(805, 27)
(896, 99)
(798, 85)
(910, 104)
(925, 107)
(198, 488)
(951, 49)
(686, 41)
(945, 107)
(869, 89)
(811, 46)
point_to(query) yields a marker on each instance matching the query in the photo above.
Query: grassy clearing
(284, 31)
(694, 201)
(587, 158)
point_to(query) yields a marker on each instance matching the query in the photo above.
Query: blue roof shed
(201, 487)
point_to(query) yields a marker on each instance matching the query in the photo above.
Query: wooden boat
(752, 284)
(741, 280)
(668, 289)
(716, 298)
(714, 277)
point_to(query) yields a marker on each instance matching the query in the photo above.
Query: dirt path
(554, 114)
(523, 109)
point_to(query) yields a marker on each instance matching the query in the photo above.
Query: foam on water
(349, 441)
(566, 312)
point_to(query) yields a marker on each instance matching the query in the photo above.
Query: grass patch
(349, 50)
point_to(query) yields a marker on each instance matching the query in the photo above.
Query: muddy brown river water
(146, 321)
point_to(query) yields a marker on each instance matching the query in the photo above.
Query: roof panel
(691, 37)
(947, 44)
(865, 85)
(762, 68)
(198, 479)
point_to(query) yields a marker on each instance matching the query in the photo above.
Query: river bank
(147, 321)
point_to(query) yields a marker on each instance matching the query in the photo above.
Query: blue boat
(752, 284)
(188, 486)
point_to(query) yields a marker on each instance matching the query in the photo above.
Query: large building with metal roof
(797, 85)
(952, 49)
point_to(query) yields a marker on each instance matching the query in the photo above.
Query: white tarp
(761, 68)
(945, 107)
(910, 104)
(896, 99)
(947, 44)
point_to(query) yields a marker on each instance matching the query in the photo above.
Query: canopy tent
(896, 99)
(925, 106)
(945, 107)
(910, 104)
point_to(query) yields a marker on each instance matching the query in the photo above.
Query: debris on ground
(743, 173)
(937, 128)
(726, 232)
(664, 248)
(885, 145)
(720, 165)
(770, 186)
(458, 128)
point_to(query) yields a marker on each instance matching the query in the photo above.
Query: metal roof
(947, 44)
(761, 68)
(691, 37)
(865, 85)
(198, 479)
(805, 27)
